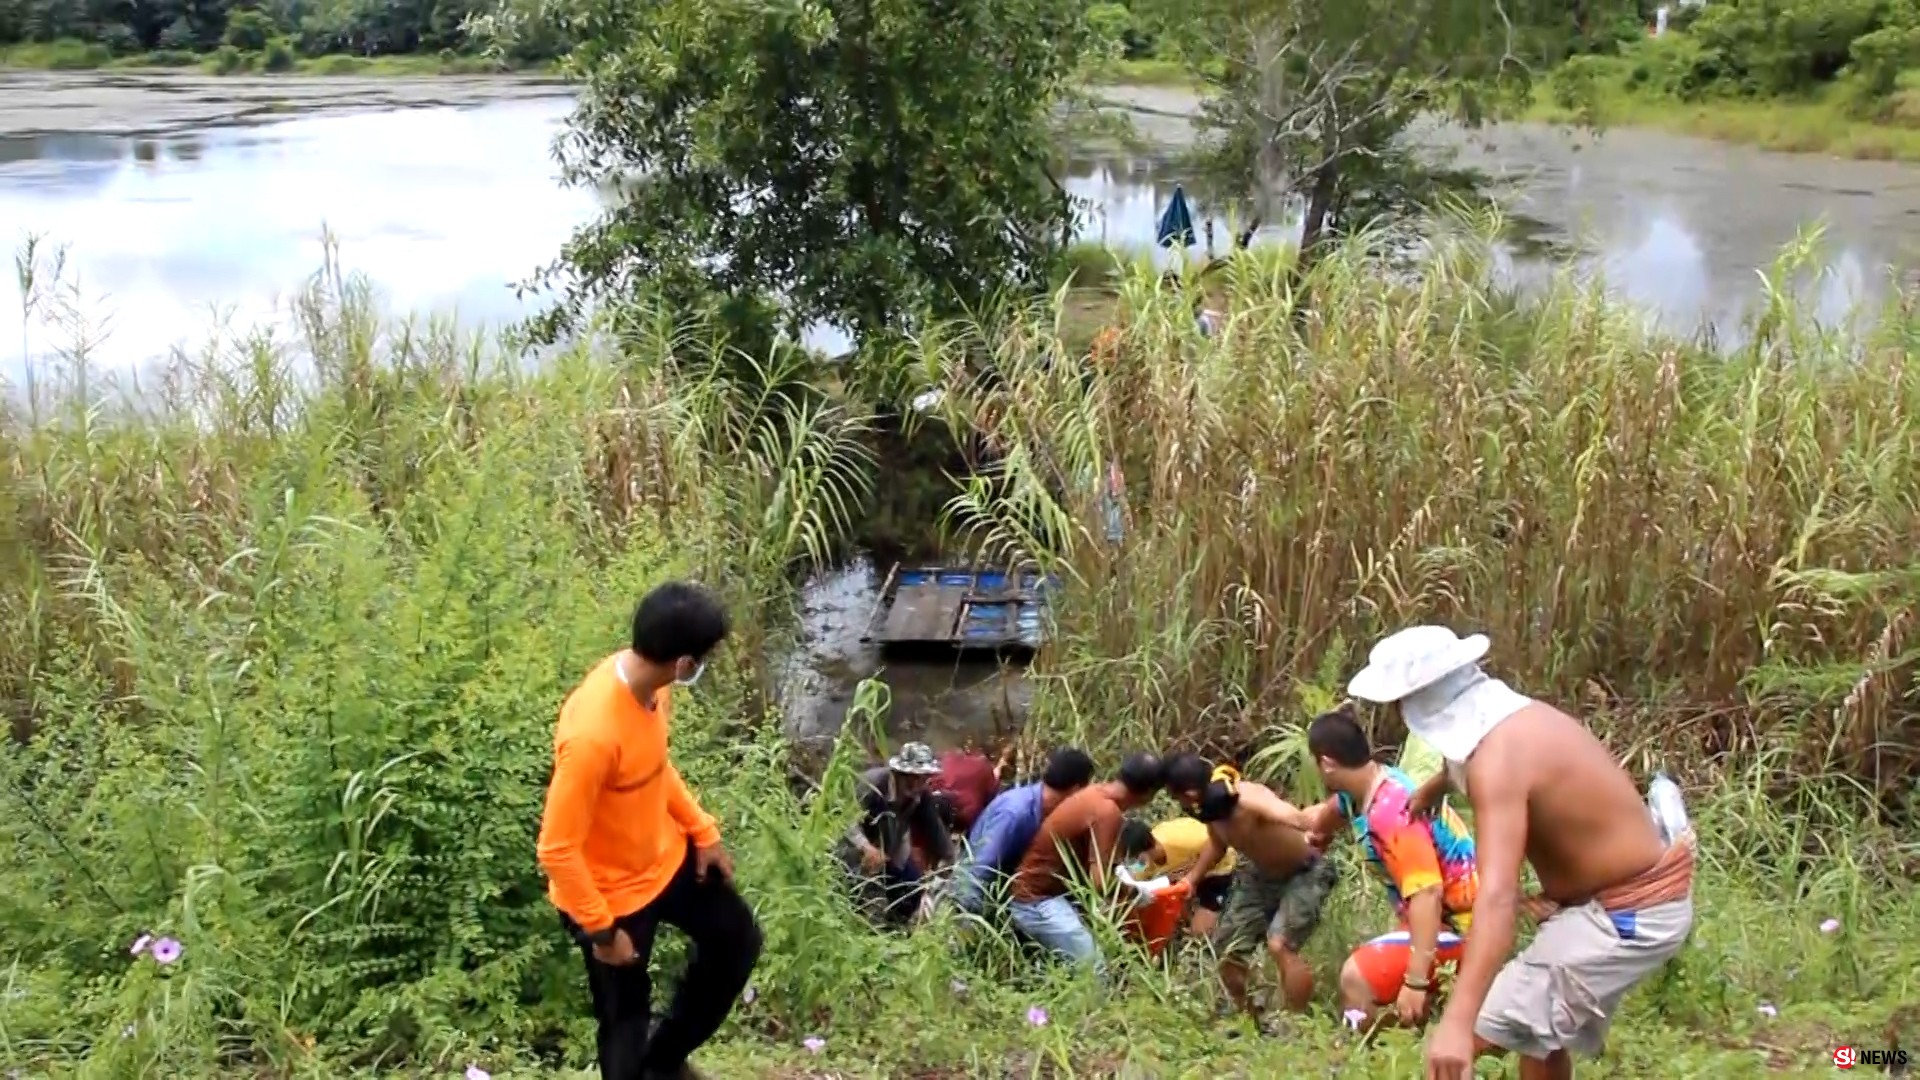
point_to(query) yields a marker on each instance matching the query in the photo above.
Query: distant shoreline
(75, 56)
(162, 102)
(124, 102)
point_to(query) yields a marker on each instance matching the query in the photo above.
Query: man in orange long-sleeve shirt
(626, 847)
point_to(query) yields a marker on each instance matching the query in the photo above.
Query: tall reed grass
(291, 627)
(1703, 551)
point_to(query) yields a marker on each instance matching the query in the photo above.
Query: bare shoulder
(1541, 715)
(1502, 766)
(1263, 800)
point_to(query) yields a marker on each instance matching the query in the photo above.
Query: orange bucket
(1156, 920)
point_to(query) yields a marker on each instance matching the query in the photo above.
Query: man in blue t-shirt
(1001, 836)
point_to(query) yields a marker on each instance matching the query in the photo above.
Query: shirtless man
(1279, 887)
(1616, 901)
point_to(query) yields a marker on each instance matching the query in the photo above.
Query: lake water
(446, 207)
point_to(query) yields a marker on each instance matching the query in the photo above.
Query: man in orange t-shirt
(626, 847)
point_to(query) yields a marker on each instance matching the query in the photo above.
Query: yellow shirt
(1183, 839)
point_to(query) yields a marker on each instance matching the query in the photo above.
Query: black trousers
(726, 945)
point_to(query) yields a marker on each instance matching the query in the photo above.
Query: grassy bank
(1146, 72)
(1626, 91)
(1675, 83)
(1817, 126)
(292, 629)
(85, 56)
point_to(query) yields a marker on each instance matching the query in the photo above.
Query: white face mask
(698, 670)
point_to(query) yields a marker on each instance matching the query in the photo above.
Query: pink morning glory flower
(140, 944)
(475, 1072)
(1037, 1016)
(814, 1044)
(166, 950)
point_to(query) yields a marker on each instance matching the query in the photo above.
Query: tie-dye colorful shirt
(1415, 853)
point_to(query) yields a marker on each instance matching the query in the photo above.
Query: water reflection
(1123, 198)
(446, 207)
(1680, 226)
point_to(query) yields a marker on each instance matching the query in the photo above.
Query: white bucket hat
(1444, 697)
(1412, 660)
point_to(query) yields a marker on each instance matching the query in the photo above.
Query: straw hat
(1412, 660)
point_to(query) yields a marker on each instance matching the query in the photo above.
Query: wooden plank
(880, 604)
(923, 613)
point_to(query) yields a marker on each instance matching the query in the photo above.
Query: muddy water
(178, 194)
(945, 703)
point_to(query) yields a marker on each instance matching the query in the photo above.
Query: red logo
(1847, 1057)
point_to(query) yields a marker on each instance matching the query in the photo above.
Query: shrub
(1880, 57)
(278, 55)
(287, 638)
(70, 55)
(249, 30)
(1675, 66)
(226, 60)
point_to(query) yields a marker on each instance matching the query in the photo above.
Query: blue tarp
(1018, 619)
(1177, 221)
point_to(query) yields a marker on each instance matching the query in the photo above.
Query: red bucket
(1156, 920)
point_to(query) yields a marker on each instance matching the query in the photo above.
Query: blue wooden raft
(960, 609)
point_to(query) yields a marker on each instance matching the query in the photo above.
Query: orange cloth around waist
(1665, 881)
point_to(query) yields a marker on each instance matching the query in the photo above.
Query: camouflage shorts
(1262, 906)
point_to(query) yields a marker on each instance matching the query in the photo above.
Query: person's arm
(1324, 820)
(1423, 932)
(1104, 846)
(1426, 797)
(580, 768)
(685, 809)
(933, 830)
(872, 806)
(1500, 841)
(1208, 858)
(1281, 812)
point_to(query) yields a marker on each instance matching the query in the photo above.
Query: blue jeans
(1054, 923)
(967, 892)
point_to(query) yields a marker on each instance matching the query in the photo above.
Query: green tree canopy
(1310, 96)
(860, 160)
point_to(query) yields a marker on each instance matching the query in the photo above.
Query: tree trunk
(1313, 230)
